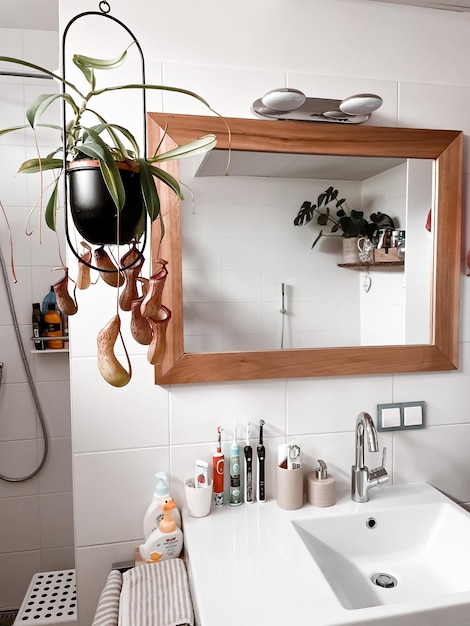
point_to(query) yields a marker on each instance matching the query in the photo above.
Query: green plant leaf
(42, 70)
(99, 150)
(99, 64)
(198, 146)
(4, 131)
(51, 208)
(167, 178)
(149, 191)
(42, 103)
(32, 166)
(305, 214)
(87, 72)
(319, 236)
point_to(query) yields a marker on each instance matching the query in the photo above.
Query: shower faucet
(362, 479)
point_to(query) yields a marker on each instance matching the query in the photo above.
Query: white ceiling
(30, 14)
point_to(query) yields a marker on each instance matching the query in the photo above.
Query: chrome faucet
(362, 479)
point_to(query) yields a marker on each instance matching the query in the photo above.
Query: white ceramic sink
(424, 547)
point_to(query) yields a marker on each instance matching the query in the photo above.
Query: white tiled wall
(331, 49)
(36, 515)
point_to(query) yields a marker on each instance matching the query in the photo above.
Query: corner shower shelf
(45, 350)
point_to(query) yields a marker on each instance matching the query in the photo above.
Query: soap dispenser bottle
(321, 486)
(154, 513)
(166, 541)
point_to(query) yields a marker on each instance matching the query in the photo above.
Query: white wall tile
(19, 458)
(16, 571)
(56, 520)
(18, 412)
(197, 410)
(103, 480)
(436, 455)
(53, 559)
(18, 533)
(442, 391)
(325, 405)
(56, 475)
(101, 424)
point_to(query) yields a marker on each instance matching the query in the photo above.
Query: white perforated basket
(51, 599)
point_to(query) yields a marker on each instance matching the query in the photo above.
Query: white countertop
(248, 566)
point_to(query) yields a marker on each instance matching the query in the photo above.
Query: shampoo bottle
(53, 323)
(166, 541)
(154, 513)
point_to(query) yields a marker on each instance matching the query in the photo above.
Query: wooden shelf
(372, 264)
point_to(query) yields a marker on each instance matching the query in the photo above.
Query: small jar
(321, 487)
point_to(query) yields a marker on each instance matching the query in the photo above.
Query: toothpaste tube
(201, 474)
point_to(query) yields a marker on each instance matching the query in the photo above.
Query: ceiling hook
(104, 6)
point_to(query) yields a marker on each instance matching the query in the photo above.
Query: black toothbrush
(261, 458)
(248, 450)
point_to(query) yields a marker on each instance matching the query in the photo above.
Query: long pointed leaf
(32, 166)
(149, 191)
(42, 70)
(42, 103)
(198, 146)
(168, 179)
(51, 208)
(99, 64)
(111, 176)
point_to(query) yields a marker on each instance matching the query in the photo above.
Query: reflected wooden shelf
(373, 264)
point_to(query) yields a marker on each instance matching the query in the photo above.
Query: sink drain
(386, 581)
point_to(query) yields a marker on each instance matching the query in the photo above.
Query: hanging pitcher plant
(109, 152)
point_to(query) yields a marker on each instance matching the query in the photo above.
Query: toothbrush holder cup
(290, 488)
(198, 500)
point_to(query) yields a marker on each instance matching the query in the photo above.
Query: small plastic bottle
(154, 513)
(321, 486)
(49, 299)
(166, 541)
(38, 323)
(53, 323)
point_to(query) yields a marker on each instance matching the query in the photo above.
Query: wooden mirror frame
(445, 147)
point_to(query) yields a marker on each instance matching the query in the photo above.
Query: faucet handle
(379, 474)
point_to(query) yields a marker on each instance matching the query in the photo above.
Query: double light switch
(400, 416)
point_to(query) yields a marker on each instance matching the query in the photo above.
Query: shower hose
(29, 377)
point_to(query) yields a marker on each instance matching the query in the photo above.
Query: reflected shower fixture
(287, 103)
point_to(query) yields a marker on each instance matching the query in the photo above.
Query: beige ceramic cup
(290, 488)
(198, 500)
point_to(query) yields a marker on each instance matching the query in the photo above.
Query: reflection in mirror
(429, 160)
(250, 278)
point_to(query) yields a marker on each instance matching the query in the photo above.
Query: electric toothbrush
(248, 451)
(235, 493)
(261, 465)
(218, 466)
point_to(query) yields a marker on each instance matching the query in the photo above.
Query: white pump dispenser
(154, 513)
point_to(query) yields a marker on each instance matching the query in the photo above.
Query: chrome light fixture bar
(287, 103)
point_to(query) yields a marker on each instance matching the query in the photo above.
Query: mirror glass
(251, 280)
(233, 237)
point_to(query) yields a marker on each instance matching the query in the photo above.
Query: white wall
(36, 515)
(232, 54)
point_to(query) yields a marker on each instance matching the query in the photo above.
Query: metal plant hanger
(104, 12)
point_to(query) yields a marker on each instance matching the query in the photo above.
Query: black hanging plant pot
(92, 208)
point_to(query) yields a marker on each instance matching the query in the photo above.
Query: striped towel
(156, 594)
(107, 613)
